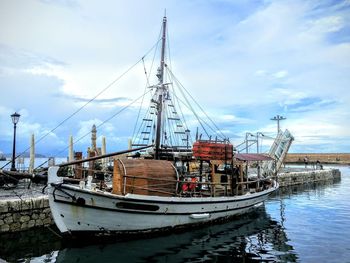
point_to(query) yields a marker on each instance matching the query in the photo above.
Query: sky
(244, 62)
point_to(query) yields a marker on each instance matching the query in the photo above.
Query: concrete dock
(22, 208)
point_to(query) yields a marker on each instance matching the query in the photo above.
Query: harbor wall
(22, 214)
(289, 178)
(326, 158)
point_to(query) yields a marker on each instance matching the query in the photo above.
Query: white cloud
(47, 70)
(325, 25)
(287, 96)
(261, 72)
(280, 74)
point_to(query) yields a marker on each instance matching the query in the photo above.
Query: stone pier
(22, 214)
(324, 158)
(302, 176)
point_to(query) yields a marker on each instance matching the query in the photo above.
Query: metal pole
(160, 97)
(163, 52)
(278, 118)
(104, 156)
(13, 168)
(159, 124)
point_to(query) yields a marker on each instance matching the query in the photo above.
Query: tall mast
(161, 69)
(160, 92)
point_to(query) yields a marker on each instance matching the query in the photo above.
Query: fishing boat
(168, 184)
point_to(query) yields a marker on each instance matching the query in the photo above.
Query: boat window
(223, 178)
(137, 206)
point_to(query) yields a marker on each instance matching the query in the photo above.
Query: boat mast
(162, 53)
(160, 92)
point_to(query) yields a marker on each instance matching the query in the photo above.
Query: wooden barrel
(144, 177)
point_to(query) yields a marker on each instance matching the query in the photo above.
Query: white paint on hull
(132, 213)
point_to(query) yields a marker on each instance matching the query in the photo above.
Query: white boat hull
(82, 210)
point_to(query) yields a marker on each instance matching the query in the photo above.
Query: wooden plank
(117, 178)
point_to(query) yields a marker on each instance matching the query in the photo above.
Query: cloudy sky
(243, 61)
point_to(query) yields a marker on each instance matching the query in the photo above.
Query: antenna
(278, 118)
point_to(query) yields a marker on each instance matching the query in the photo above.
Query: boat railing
(198, 188)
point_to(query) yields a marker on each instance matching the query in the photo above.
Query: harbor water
(308, 223)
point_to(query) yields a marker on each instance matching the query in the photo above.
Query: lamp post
(247, 141)
(278, 118)
(257, 140)
(15, 119)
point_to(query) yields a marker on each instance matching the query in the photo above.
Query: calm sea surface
(298, 224)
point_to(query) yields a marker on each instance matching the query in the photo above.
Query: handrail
(197, 183)
(152, 190)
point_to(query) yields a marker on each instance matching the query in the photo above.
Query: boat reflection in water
(254, 237)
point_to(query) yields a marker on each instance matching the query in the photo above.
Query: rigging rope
(88, 102)
(138, 114)
(98, 126)
(191, 108)
(147, 79)
(168, 45)
(218, 130)
(178, 105)
(188, 105)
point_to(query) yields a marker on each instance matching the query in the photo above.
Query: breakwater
(325, 158)
(296, 177)
(20, 212)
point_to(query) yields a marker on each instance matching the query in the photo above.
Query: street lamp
(257, 140)
(15, 119)
(247, 141)
(278, 118)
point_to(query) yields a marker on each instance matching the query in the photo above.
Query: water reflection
(253, 237)
(315, 188)
(28, 244)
